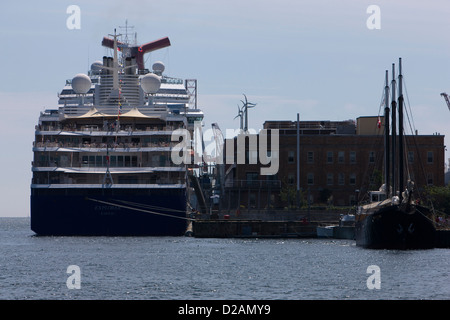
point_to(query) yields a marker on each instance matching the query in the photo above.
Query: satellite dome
(81, 83)
(96, 66)
(150, 83)
(158, 67)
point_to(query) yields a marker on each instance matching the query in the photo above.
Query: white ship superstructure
(106, 149)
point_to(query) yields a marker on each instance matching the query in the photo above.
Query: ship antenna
(126, 27)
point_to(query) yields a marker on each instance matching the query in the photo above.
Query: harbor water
(186, 268)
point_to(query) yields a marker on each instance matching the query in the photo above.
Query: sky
(318, 58)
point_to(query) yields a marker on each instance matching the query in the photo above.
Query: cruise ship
(102, 159)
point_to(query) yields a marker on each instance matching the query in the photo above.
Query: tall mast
(394, 133)
(115, 63)
(386, 136)
(400, 129)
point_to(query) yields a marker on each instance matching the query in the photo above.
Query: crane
(446, 99)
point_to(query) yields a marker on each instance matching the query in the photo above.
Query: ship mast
(386, 137)
(115, 67)
(394, 133)
(400, 130)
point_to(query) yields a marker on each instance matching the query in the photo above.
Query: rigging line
(142, 210)
(150, 206)
(413, 126)
(383, 97)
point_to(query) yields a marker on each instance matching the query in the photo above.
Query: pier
(253, 229)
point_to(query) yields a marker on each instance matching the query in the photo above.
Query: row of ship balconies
(98, 179)
(95, 145)
(124, 129)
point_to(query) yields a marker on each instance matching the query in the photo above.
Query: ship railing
(58, 163)
(94, 145)
(96, 128)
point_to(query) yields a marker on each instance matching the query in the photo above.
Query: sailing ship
(102, 160)
(394, 219)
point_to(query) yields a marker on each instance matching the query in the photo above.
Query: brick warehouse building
(336, 159)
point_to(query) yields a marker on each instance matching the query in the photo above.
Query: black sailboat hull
(395, 228)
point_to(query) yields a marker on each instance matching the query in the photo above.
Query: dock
(443, 238)
(253, 229)
(238, 228)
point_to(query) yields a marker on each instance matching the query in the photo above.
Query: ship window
(98, 161)
(120, 161)
(127, 161)
(85, 161)
(113, 161)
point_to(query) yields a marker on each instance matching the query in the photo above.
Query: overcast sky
(317, 58)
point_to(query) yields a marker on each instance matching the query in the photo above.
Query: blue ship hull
(107, 212)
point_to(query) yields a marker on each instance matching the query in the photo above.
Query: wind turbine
(245, 107)
(240, 115)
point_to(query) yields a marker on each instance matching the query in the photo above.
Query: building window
(341, 179)
(430, 179)
(430, 157)
(252, 200)
(352, 200)
(330, 157)
(341, 156)
(352, 157)
(310, 157)
(252, 178)
(410, 157)
(329, 179)
(291, 157)
(310, 178)
(291, 179)
(371, 156)
(352, 179)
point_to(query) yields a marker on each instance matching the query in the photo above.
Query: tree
(288, 195)
(439, 197)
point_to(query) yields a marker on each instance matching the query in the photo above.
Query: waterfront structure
(339, 162)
